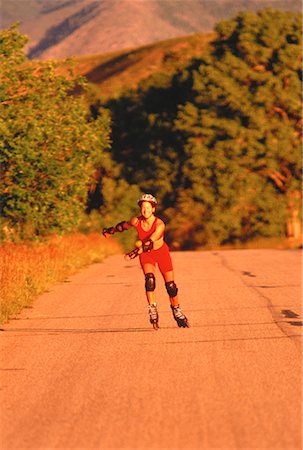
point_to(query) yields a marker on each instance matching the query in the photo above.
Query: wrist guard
(147, 245)
(121, 226)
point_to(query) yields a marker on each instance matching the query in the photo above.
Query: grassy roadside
(29, 269)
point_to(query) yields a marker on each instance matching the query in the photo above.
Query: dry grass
(28, 270)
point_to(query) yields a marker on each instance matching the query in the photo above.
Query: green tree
(220, 141)
(144, 142)
(50, 144)
(241, 126)
(111, 199)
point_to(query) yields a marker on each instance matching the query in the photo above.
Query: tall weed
(29, 269)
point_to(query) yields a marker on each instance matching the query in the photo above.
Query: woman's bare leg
(171, 287)
(150, 284)
(150, 295)
(169, 276)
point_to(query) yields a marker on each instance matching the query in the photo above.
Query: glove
(147, 245)
(133, 254)
(110, 230)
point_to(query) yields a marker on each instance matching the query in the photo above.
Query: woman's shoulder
(159, 221)
(134, 221)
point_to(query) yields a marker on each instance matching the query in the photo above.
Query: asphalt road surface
(84, 369)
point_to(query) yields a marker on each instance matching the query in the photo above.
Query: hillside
(111, 73)
(61, 28)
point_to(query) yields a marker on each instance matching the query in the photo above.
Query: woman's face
(147, 210)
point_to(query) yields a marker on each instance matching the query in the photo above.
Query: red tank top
(142, 234)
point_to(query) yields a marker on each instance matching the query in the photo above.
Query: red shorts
(160, 256)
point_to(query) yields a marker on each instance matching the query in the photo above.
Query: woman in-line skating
(152, 250)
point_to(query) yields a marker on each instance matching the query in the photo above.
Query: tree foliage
(220, 142)
(50, 143)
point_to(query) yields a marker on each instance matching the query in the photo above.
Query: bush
(50, 144)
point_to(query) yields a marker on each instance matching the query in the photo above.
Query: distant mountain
(61, 28)
(112, 73)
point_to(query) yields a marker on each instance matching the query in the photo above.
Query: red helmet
(147, 198)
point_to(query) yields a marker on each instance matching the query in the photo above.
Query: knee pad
(150, 282)
(171, 288)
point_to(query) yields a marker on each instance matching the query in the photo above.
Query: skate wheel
(183, 324)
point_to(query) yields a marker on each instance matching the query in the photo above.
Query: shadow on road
(58, 331)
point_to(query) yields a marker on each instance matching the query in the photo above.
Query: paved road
(83, 369)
